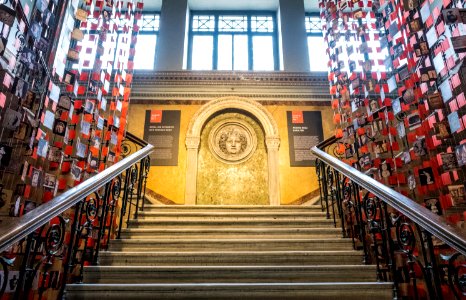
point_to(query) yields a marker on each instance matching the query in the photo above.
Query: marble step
(232, 222)
(231, 208)
(290, 215)
(227, 232)
(315, 291)
(234, 274)
(234, 258)
(207, 245)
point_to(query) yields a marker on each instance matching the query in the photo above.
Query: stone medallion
(232, 141)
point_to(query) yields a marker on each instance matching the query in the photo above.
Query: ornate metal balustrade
(417, 250)
(48, 247)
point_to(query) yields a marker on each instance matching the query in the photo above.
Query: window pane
(203, 23)
(263, 53)
(145, 52)
(149, 22)
(318, 57)
(241, 52)
(224, 52)
(233, 23)
(261, 24)
(313, 25)
(202, 53)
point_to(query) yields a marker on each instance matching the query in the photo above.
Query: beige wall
(295, 182)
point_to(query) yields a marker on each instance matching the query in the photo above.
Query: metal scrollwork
(456, 274)
(146, 166)
(116, 188)
(92, 207)
(370, 208)
(318, 166)
(405, 236)
(134, 174)
(4, 264)
(330, 177)
(125, 148)
(54, 237)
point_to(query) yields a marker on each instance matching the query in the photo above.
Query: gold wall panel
(170, 182)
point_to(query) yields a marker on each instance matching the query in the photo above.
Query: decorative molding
(221, 77)
(202, 102)
(264, 118)
(205, 86)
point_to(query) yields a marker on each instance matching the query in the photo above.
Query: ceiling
(156, 5)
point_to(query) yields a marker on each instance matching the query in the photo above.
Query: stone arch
(193, 138)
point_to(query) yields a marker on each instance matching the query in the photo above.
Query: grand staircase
(230, 252)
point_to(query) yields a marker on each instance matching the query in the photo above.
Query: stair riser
(240, 292)
(236, 216)
(237, 259)
(228, 209)
(232, 276)
(219, 246)
(188, 224)
(235, 236)
(260, 233)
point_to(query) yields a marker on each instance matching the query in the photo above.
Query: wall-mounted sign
(162, 129)
(304, 132)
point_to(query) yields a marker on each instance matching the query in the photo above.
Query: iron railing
(49, 246)
(420, 252)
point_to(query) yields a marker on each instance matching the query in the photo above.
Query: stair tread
(217, 230)
(210, 240)
(232, 284)
(223, 267)
(226, 207)
(226, 252)
(149, 253)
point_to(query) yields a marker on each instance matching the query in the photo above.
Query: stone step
(232, 222)
(253, 233)
(234, 258)
(233, 274)
(231, 208)
(206, 245)
(219, 215)
(315, 291)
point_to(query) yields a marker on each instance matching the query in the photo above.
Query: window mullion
(215, 46)
(232, 51)
(250, 49)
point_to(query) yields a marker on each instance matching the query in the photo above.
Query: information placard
(304, 132)
(162, 129)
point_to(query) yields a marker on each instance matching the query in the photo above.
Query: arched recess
(272, 141)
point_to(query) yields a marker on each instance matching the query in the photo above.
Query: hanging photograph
(460, 152)
(64, 101)
(36, 177)
(426, 176)
(59, 127)
(5, 155)
(457, 195)
(42, 148)
(433, 204)
(49, 180)
(11, 119)
(448, 161)
(20, 87)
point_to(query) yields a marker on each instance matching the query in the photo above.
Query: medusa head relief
(232, 141)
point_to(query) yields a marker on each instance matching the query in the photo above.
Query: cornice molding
(277, 78)
(156, 87)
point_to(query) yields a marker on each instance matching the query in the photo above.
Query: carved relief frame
(272, 141)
